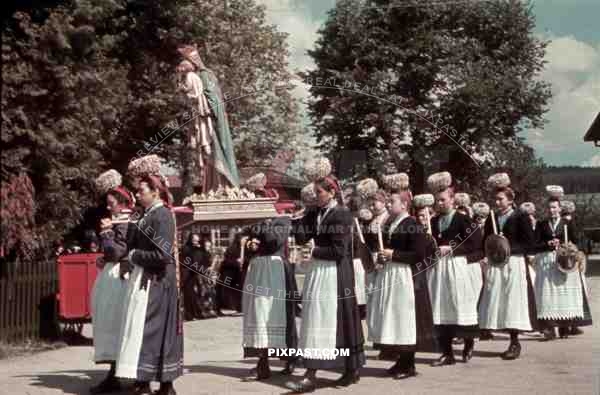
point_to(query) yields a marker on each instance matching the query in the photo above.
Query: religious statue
(209, 137)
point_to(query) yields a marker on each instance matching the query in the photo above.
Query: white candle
(380, 238)
(360, 234)
(494, 222)
(428, 221)
(565, 232)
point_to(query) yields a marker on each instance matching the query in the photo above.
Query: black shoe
(412, 372)
(106, 386)
(549, 334)
(170, 390)
(563, 333)
(302, 386)
(445, 359)
(351, 377)
(467, 353)
(513, 352)
(486, 335)
(575, 331)
(290, 366)
(258, 373)
(394, 369)
(141, 389)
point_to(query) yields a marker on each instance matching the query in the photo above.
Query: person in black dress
(330, 316)
(270, 296)
(198, 288)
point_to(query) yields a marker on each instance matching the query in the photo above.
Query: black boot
(513, 352)
(549, 334)
(575, 331)
(407, 368)
(447, 358)
(514, 349)
(109, 384)
(444, 359)
(395, 368)
(261, 371)
(141, 388)
(486, 335)
(410, 372)
(348, 378)
(290, 366)
(467, 353)
(563, 332)
(307, 384)
(166, 388)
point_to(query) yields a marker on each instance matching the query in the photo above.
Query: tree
(425, 76)
(248, 56)
(89, 84)
(56, 108)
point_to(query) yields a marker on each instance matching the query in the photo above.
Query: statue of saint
(210, 137)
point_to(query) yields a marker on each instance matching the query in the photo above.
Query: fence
(24, 289)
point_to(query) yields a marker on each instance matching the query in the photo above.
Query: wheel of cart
(76, 276)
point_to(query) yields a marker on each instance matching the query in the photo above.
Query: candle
(242, 249)
(360, 234)
(428, 221)
(493, 222)
(379, 238)
(566, 237)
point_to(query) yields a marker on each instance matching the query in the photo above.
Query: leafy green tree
(56, 109)
(89, 84)
(424, 76)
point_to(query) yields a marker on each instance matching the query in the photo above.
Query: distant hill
(574, 179)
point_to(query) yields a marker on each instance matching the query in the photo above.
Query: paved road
(214, 366)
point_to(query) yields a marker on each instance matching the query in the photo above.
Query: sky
(573, 68)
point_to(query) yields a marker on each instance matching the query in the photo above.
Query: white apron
(504, 302)
(359, 282)
(391, 310)
(107, 312)
(132, 330)
(319, 306)
(558, 295)
(454, 288)
(263, 304)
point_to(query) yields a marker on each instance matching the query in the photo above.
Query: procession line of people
(422, 271)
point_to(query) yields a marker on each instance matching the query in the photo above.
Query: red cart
(76, 276)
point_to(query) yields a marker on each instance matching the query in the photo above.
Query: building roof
(593, 133)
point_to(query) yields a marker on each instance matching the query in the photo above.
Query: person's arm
(162, 234)
(275, 235)
(470, 243)
(114, 242)
(340, 238)
(527, 235)
(303, 228)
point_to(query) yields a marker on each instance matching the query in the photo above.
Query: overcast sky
(573, 68)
